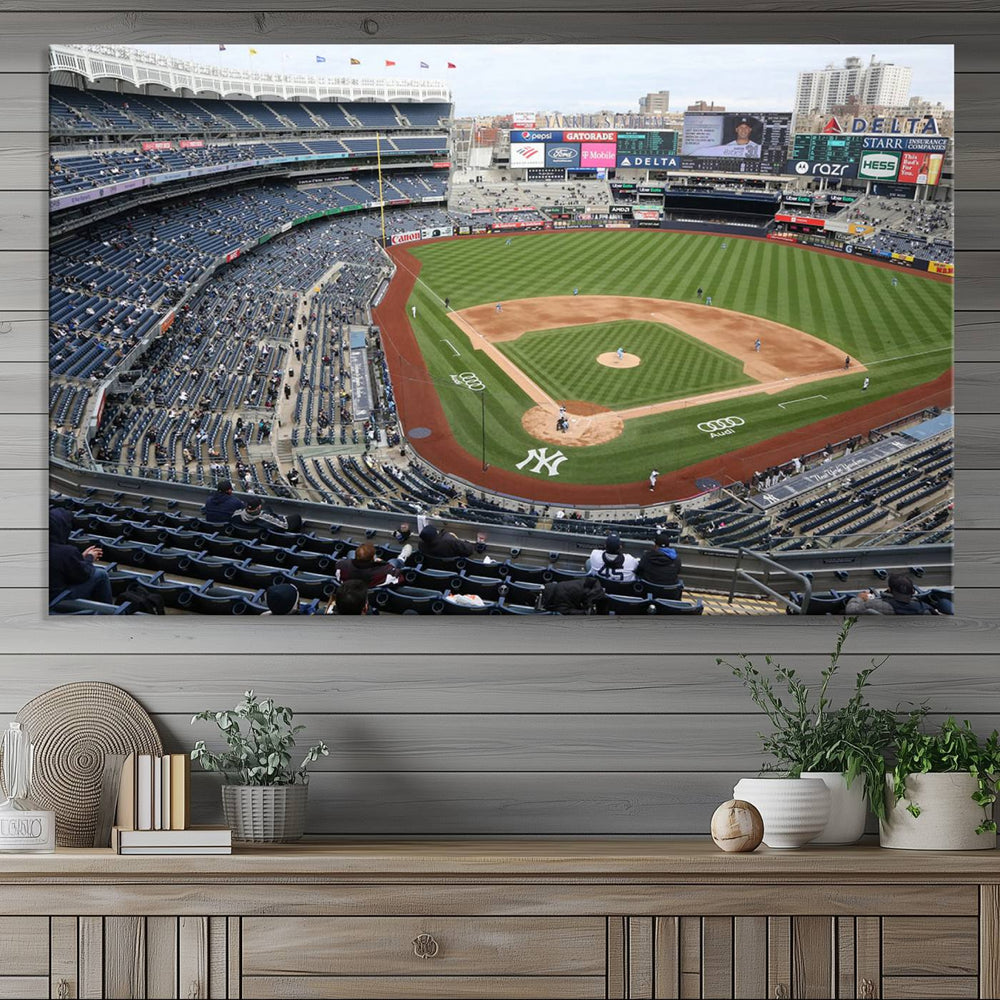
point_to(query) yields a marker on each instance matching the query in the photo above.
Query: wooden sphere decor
(737, 827)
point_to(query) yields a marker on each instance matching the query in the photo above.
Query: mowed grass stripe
(837, 297)
(564, 363)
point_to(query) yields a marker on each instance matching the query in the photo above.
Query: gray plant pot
(265, 814)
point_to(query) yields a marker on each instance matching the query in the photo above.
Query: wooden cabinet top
(632, 860)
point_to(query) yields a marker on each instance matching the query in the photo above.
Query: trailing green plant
(809, 734)
(950, 749)
(260, 737)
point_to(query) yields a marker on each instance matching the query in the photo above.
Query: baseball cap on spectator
(429, 533)
(613, 543)
(253, 503)
(662, 539)
(225, 486)
(282, 599)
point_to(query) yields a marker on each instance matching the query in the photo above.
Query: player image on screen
(741, 139)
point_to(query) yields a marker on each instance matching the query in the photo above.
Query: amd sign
(820, 168)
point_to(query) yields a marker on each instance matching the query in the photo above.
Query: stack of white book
(154, 810)
(193, 840)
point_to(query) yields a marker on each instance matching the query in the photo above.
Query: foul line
(458, 353)
(801, 399)
(904, 357)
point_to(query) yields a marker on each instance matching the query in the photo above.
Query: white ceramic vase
(794, 810)
(848, 808)
(948, 816)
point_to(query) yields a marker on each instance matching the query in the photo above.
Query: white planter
(794, 810)
(848, 809)
(948, 816)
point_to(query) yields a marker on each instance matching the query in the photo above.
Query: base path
(419, 406)
(788, 357)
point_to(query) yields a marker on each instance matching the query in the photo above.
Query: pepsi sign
(534, 135)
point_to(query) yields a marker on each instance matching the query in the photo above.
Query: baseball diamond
(688, 363)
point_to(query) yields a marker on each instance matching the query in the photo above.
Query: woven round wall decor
(73, 727)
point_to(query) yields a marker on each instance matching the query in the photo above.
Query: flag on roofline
(355, 62)
(452, 66)
(389, 62)
(253, 52)
(320, 59)
(222, 47)
(424, 65)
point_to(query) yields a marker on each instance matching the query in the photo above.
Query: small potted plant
(263, 797)
(844, 747)
(940, 793)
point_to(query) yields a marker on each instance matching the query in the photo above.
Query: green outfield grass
(564, 363)
(903, 334)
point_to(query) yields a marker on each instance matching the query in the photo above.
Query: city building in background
(821, 91)
(655, 104)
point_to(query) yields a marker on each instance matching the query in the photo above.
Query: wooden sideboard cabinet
(630, 919)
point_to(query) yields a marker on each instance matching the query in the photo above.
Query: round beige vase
(848, 808)
(794, 810)
(948, 816)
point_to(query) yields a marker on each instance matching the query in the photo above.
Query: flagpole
(381, 199)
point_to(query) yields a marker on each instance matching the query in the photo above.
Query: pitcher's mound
(611, 360)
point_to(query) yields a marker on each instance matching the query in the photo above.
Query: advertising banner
(499, 227)
(801, 220)
(522, 119)
(232, 256)
(623, 210)
(590, 136)
(881, 166)
(463, 230)
(939, 267)
(783, 237)
(820, 168)
(562, 154)
(597, 154)
(916, 168)
(436, 232)
(158, 144)
(536, 135)
(413, 236)
(527, 154)
(646, 214)
(645, 162)
(191, 143)
(907, 143)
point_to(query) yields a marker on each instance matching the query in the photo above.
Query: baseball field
(607, 329)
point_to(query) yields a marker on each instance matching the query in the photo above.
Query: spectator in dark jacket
(572, 597)
(69, 568)
(902, 596)
(661, 564)
(221, 505)
(253, 515)
(364, 566)
(445, 544)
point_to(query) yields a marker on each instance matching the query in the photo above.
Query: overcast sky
(494, 79)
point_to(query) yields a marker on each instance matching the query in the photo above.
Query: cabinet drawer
(424, 946)
(24, 946)
(421, 987)
(931, 987)
(24, 987)
(930, 946)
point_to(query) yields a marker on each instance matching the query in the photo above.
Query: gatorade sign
(880, 166)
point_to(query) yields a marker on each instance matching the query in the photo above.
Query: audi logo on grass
(721, 427)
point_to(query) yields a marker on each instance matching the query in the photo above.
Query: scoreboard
(828, 148)
(647, 143)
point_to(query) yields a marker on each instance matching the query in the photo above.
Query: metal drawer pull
(62, 990)
(867, 991)
(424, 946)
(780, 993)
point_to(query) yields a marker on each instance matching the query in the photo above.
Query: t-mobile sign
(597, 154)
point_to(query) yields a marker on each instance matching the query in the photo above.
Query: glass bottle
(24, 826)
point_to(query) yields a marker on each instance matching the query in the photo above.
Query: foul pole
(381, 199)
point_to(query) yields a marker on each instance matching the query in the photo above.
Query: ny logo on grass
(543, 460)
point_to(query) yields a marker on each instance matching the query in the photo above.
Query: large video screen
(571, 149)
(905, 159)
(740, 142)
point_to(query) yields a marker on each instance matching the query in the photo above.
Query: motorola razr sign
(880, 166)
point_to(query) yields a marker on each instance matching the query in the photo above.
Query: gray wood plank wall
(543, 727)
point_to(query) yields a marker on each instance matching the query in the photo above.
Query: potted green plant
(842, 746)
(264, 796)
(941, 790)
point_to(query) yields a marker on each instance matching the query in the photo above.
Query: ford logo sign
(564, 153)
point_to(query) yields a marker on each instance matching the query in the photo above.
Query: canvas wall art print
(651, 331)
